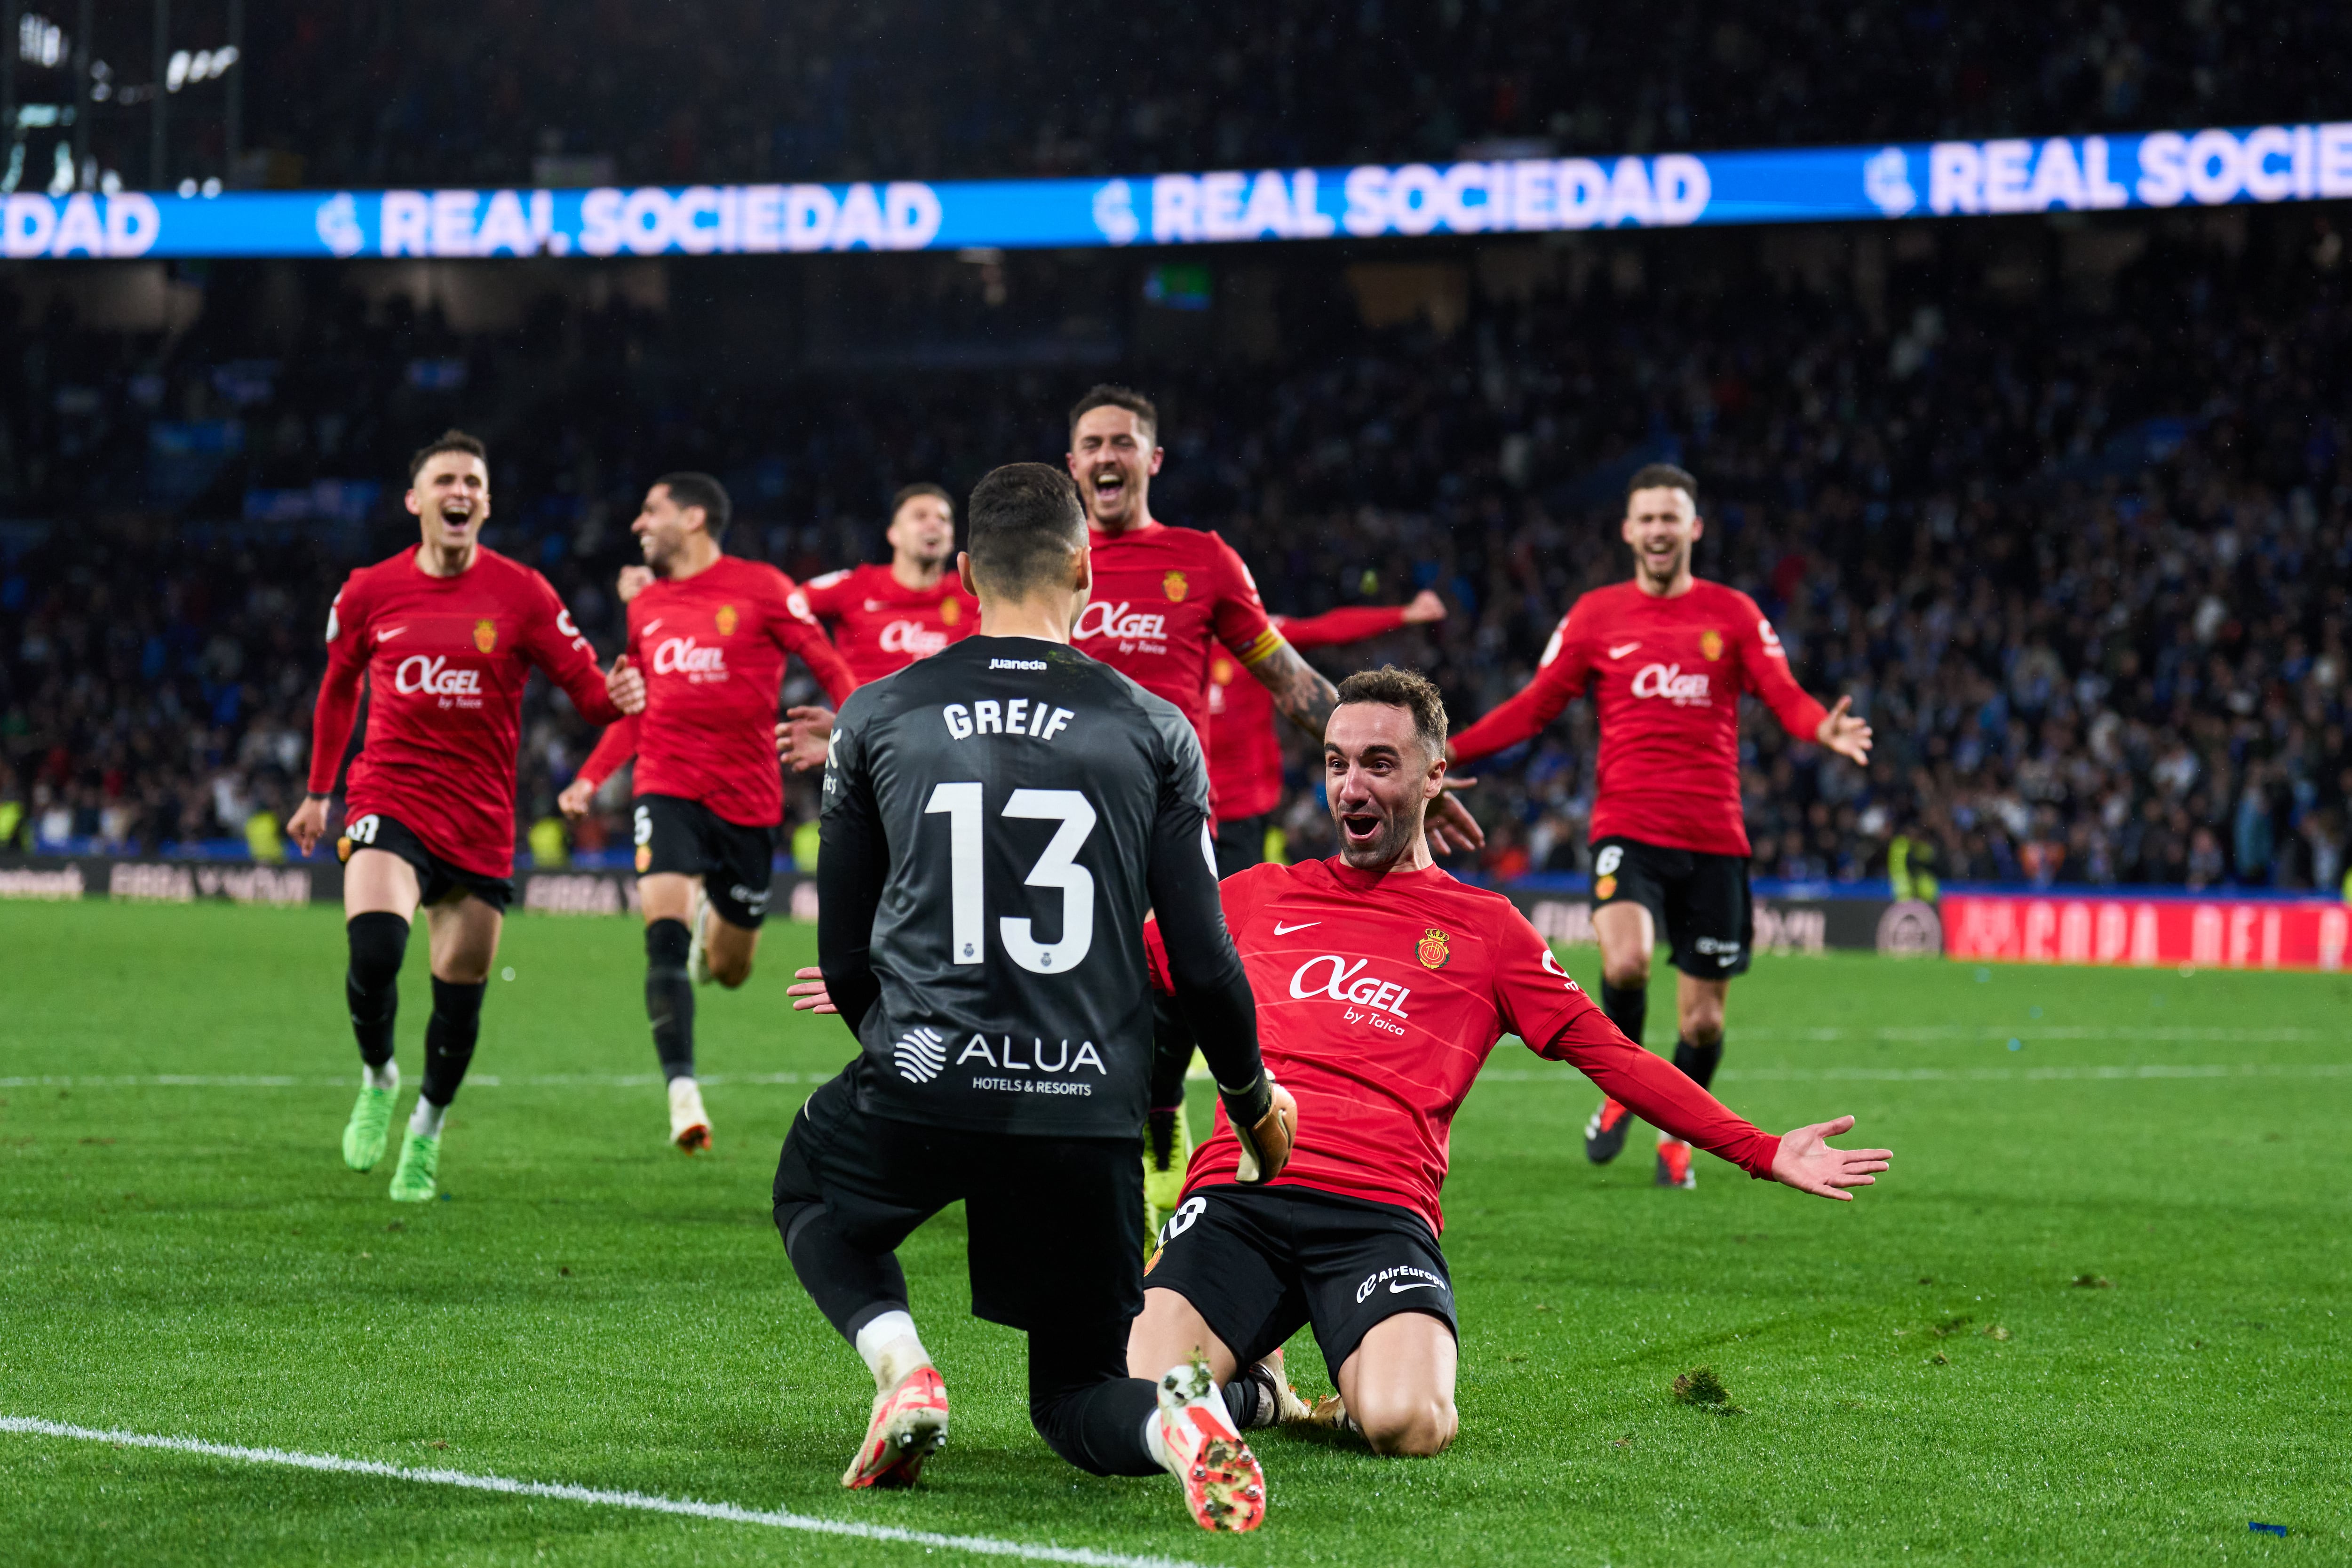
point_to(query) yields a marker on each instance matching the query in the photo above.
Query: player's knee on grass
(1407, 1427)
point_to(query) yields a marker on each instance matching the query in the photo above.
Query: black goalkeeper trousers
(1056, 1248)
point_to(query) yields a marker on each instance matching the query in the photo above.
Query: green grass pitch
(1921, 1375)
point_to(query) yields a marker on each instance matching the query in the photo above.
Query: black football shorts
(436, 880)
(1260, 1262)
(1054, 1226)
(737, 864)
(1700, 902)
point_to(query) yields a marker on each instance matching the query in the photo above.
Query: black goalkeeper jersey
(998, 820)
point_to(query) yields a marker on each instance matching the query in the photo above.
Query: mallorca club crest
(1175, 586)
(1432, 950)
(950, 612)
(727, 619)
(1710, 643)
(486, 633)
(644, 858)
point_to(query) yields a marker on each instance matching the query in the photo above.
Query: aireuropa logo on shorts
(1399, 1279)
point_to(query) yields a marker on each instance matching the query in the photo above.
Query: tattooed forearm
(1301, 693)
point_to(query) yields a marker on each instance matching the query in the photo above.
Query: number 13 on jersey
(1056, 868)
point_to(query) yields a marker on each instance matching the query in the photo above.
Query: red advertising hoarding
(2218, 933)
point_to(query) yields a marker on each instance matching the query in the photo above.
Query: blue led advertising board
(2161, 169)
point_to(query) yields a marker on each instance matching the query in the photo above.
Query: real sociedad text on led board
(2212, 167)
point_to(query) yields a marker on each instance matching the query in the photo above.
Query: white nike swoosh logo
(1397, 1289)
(874, 604)
(389, 633)
(1622, 652)
(653, 626)
(1281, 930)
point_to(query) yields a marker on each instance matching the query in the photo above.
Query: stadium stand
(2100, 628)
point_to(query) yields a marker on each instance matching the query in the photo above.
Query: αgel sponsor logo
(912, 638)
(1667, 680)
(1102, 620)
(433, 677)
(683, 655)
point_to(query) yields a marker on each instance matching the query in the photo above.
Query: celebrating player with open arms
(1667, 657)
(446, 635)
(1381, 985)
(997, 819)
(709, 638)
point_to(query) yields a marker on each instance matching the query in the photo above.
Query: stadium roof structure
(2214, 166)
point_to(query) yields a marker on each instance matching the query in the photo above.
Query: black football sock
(1628, 1007)
(1083, 1402)
(449, 1037)
(372, 985)
(1698, 1062)
(669, 997)
(850, 1286)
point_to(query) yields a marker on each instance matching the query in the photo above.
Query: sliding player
(709, 638)
(1244, 753)
(1381, 985)
(446, 635)
(1667, 657)
(997, 819)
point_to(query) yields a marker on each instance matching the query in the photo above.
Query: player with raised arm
(997, 819)
(1165, 600)
(1667, 657)
(884, 618)
(709, 638)
(1244, 751)
(1381, 985)
(445, 636)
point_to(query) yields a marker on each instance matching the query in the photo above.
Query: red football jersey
(1379, 998)
(881, 626)
(1244, 748)
(1162, 598)
(713, 647)
(445, 660)
(1666, 677)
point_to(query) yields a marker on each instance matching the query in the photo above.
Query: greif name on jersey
(1667, 680)
(1368, 999)
(683, 655)
(1128, 628)
(1019, 717)
(432, 676)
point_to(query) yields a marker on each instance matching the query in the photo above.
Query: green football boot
(363, 1134)
(420, 1157)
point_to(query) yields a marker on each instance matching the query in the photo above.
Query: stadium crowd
(483, 94)
(2096, 617)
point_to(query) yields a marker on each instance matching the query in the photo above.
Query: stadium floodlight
(39, 41)
(185, 69)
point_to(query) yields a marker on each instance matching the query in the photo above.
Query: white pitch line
(645, 1502)
(475, 1081)
(1970, 1075)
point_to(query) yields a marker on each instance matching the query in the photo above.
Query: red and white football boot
(1194, 1437)
(909, 1425)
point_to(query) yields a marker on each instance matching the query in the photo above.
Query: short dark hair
(1406, 688)
(688, 488)
(908, 492)
(1663, 477)
(1026, 525)
(447, 441)
(1104, 394)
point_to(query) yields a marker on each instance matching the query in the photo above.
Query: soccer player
(1381, 985)
(709, 638)
(884, 618)
(997, 819)
(446, 635)
(1164, 598)
(1666, 656)
(1244, 753)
